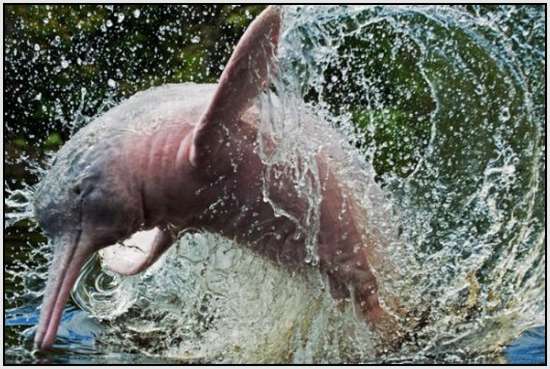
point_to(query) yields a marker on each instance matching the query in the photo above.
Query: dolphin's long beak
(69, 255)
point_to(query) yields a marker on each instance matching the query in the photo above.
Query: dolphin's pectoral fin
(138, 252)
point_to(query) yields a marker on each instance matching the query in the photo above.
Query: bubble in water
(504, 115)
(56, 41)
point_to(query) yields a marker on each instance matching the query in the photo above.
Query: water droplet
(136, 13)
(120, 18)
(64, 63)
(56, 41)
(38, 97)
(36, 47)
(109, 23)
(504, 115)
(111, 83)
(196, 40)
(479, 89)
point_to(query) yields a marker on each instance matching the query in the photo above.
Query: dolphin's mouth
(68, 259)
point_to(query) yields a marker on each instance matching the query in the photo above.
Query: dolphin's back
(145, 111)
(153, 106)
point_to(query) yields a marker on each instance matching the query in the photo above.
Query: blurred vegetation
(392, 112)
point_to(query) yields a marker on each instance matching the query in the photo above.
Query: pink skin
(171, 177)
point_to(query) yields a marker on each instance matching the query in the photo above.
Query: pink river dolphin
(185, 157)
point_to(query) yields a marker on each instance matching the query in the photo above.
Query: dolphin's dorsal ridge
(243, 78)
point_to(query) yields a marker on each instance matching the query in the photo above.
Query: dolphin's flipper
(138, 252)
(243, 78)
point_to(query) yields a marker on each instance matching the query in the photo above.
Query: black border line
(544, 4)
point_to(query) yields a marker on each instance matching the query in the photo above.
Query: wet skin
(185, 157)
